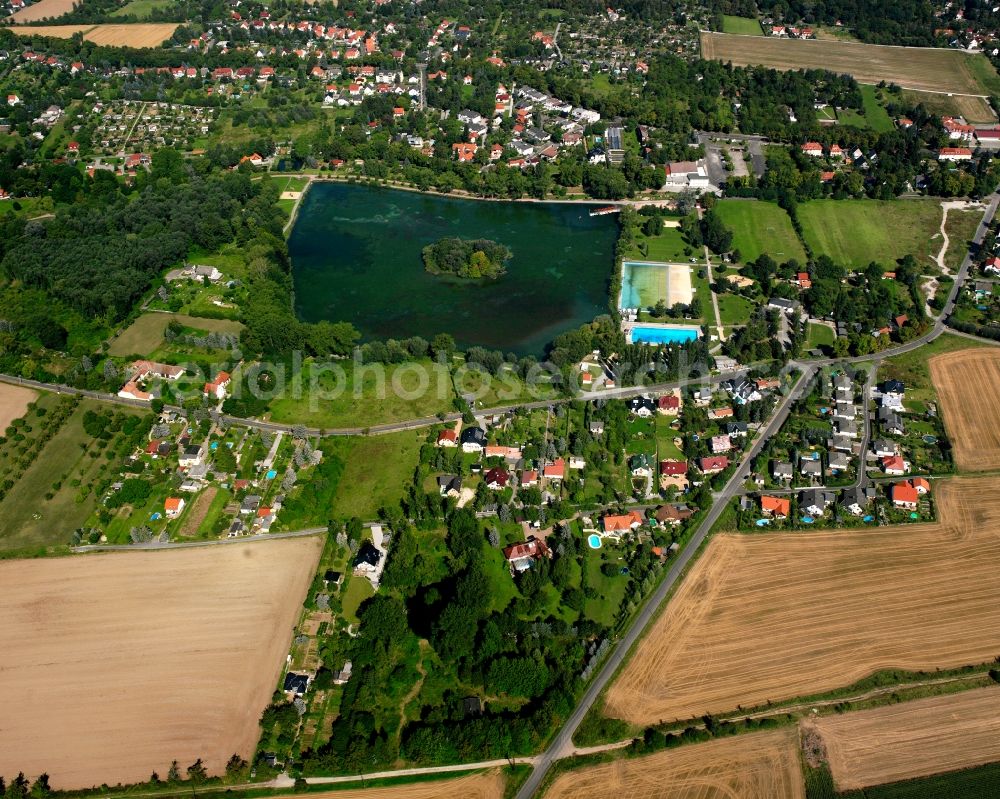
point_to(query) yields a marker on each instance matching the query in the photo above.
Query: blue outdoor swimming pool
(594, 540)
(663, 335)
(271, 474)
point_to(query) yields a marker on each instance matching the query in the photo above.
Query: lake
(356, 256)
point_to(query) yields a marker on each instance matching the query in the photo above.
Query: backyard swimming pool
(663, 335)
(594, 540)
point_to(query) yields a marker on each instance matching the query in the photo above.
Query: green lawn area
(600, 84)
(377, 472)
(980, 66)
(490, 392)
(875, 114)
(335, 395)
(820, 336)
(357, 591)
(961, 227)
(141, 8)
(761, 227)
(666, 449)
(744, 25)
(734, 309)
(610, 590)
(31, 521)
(856, 232)
(145, 334)
(27, 207)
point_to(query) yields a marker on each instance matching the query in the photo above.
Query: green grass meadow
(856, 232)
(761, 227)
(743, 25)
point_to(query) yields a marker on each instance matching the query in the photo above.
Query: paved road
(563, 742)
(246, 539)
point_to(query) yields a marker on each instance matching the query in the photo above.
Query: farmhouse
(143, 370)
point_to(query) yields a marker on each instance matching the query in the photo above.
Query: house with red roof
(904, 495)
(217, 388)
(673, 468)
(522, 556)
(447, 438)
(614, 525)
(954, 154)
(776, 507)
(813, 148)
(496, 478)
(921, 484)
(464, 152)
(713, 465)
(555, 470)
(529, 477)
(172, 507)
(668, 404)
(895, 465)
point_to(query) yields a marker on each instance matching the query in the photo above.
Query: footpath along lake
(356, 257)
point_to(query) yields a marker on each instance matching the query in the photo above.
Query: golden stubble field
(966, 383)
(913, 739)
(129, 34)
(43, 9)
(113, 665)
(774, 616)
(14, 402)
(763, 765)
(484, 785)
(921, 68)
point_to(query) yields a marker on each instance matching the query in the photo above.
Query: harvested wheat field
(921, 68)
(763, 765)
(913, 739)
(43, 9)
(14, 402)
(113, 665)
(133, 34)
(967, 384)
(776, 616)
(484, 785)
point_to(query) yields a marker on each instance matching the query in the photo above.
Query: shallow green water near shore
(356, 257)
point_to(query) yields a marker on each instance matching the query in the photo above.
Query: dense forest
(472, 259)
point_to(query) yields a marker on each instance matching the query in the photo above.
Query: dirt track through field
(14, 402)
(485, 785)
(921, 68)
(112, 666)
(770, 617)
(752, 766)
(913, 739)
(967, 383)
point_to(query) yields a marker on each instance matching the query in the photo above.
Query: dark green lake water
(356, 257)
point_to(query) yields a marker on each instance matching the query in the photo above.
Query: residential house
(368, 559)
(596, 427)
(775, 507)
(249, 504)
(614, 525)
(891, 422)
(713, 465)
(172, 507)
(857, 500)
(846, 428)
(814, 502)
(192, 456)
(473, 439)
(838, 461)
(642, 407)
(904, 495)
(555, 470)
(813, 469)
(668, 404)
(737, 429)
(673, 514)
(522, 556)
(639, 465)
(496, 478)
(577, 463)
(447, 438)
(782, 470)
(883, 448)
(449, 485)
(719, 444)
(529, 477)
(218, 386)
(921, 484)
(295, 684)
(892, 393)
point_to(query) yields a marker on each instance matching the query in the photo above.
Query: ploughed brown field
(912, 739)
(922, 68)
(126, 34)
(762, 765)
(114, 665)
(775, 616)
(485, 785)
(967, 382)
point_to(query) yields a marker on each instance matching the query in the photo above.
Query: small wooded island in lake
(473, 259)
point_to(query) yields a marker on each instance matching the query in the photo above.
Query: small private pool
(650, 334)
(762, 522)
(271, 474)
(594, 541)
(808, 520)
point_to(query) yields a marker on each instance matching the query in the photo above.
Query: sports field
(763, 765)
(645, 283)
(921, 68)
(114, 665)
(856, 232)
(145, 334)
(912, 739)
(761, 227)
(772, 617)
(136, 34)
(967, 382)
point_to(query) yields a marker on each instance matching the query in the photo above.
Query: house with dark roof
(473, 439)
(641, 406)
(368, 558)
(449, 485)
(295, 683)
(496, 478)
